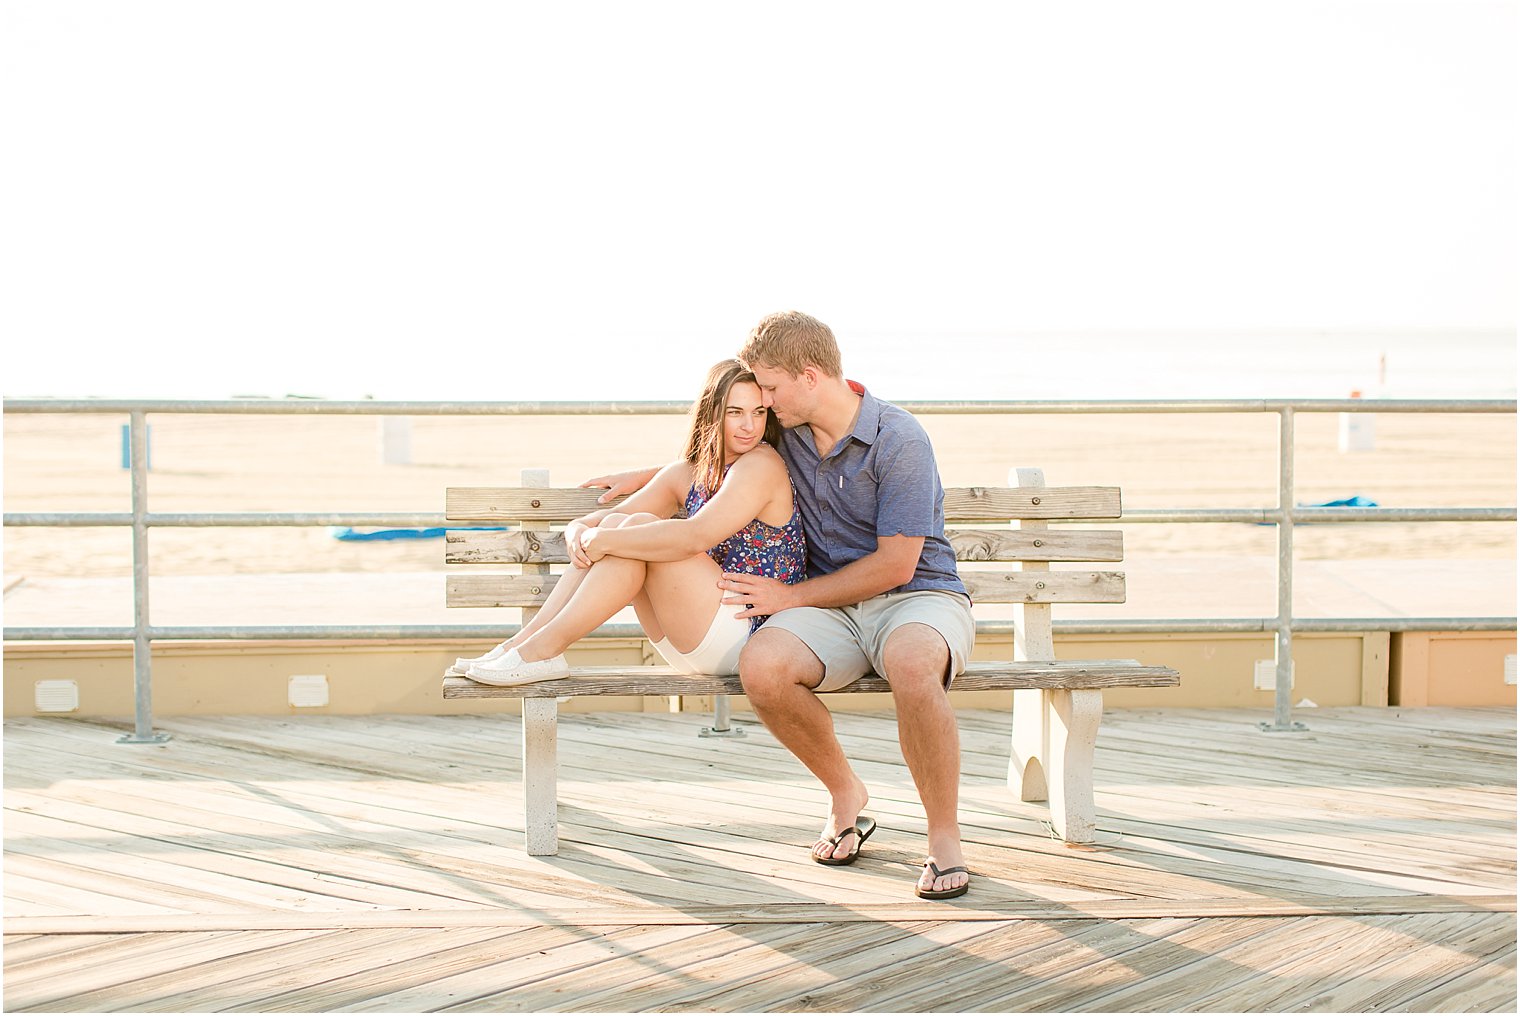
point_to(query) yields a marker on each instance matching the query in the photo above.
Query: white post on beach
(395, 440)
(1356, 430)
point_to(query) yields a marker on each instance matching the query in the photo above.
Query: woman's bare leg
(678, 598)
(609, 586)
(570, 581)
(683, 597)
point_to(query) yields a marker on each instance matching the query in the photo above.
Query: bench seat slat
(468, 546)
(984, 587)
(980, 675)
(962, 504)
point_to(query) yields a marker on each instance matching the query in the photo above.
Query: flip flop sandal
(863, 828)
(941, 894)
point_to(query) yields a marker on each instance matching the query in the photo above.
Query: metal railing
(1285, 517)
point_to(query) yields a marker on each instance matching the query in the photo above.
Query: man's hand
(619, 484)
(760, 596)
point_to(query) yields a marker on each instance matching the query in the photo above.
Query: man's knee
(916, 659)
(774, 660)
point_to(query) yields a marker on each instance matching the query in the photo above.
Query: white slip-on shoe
(462, 664)
(511, 670)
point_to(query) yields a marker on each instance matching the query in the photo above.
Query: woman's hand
(620, 484)
(593, 545)
(575, 540)
(759, 595)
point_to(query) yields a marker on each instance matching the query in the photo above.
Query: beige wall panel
(370, 677)
(1461, 668)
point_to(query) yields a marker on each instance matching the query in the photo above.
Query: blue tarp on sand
(432, 533)
(1354, 501)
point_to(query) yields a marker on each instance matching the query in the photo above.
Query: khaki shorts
(852, 641)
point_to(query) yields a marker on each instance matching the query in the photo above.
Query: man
(882, 592)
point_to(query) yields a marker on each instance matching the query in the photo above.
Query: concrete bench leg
(1031, 745)
(540, 775)
(1073, 729)
(1054, 735)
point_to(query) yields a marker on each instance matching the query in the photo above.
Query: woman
(741, 516)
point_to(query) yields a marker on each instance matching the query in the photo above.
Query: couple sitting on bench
(782, 447)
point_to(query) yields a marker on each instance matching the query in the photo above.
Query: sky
(596, 200)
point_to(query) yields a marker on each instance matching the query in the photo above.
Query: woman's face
(743, 420)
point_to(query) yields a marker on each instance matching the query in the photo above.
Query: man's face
(790, 398)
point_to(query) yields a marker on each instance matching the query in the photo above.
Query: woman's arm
(756, 479)
(663, 494)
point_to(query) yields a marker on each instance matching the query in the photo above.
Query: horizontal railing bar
(263, 632)
(66, 519)
(1312, 515)
(334, 407)
(1322, 624)
(1095, 626)
(438, 520)
(375, 407)
(251, 519)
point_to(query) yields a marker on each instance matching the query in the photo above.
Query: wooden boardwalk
(375, 864)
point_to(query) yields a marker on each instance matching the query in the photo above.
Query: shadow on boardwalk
(375, 863)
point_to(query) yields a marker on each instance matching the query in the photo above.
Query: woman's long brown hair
(704, 444)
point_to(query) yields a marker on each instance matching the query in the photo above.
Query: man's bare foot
(945, 853)
(844, 814)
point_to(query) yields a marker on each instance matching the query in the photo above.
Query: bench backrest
(970, 515)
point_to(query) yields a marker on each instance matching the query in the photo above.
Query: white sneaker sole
(511, 680)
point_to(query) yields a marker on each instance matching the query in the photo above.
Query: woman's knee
(619, 519)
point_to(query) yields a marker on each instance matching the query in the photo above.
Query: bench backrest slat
(1029, 506)
(519, 546)
(962, 504)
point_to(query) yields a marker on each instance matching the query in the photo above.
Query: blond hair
(705, 447)
(792, 341)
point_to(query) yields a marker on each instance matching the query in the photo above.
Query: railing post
(142, 649)
(1282, 714)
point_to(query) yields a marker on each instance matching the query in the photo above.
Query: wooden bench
(1057, 703)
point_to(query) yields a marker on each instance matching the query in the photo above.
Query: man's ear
(811, 375)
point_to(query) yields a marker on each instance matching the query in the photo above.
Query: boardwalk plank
(439, 954)
(584, 953)
(1486, 986)
(1370, 973)
(1369, 862)
(1225, 961)
(1038, 969)
(104, 978)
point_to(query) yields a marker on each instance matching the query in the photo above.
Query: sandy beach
(333, 463)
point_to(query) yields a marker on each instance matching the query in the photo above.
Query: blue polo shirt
(881, 480)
